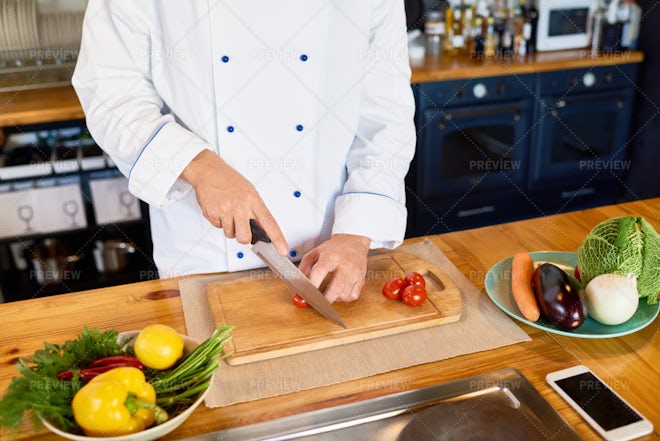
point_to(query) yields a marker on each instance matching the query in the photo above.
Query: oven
(581, 141)
(473, 141)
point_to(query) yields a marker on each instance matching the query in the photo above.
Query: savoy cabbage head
(623, 245)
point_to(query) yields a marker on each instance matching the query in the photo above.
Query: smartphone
(598, 404)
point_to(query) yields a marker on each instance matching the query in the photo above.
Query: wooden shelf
(35, 106)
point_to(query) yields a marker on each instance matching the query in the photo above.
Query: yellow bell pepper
(117, 402)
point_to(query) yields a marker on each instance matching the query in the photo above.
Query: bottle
(500, 19)
(530, 27)
(469, 27)
(508, 32)
(491, 43)
(597, 29)
(449, 30)
(610, 33)
(458, 37)
(478, 45)
(434, 29)
(516, 25)
(630, 32)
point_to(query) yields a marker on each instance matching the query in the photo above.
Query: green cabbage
(623, 245)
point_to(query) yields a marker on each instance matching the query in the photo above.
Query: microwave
(564, 24)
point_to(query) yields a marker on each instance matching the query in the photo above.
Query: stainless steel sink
(499, 405)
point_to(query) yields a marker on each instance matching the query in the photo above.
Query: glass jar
(434, 29)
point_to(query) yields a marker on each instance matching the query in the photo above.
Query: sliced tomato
(299, 301)
(414, 278)
(393, 288)
(414, 295)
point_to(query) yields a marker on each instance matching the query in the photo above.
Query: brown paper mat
(482, 326)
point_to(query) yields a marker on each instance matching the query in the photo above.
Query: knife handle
(258, 235)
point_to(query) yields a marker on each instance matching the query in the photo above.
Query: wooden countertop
(631, 364)
(36, 106)
(443, 68)
(61, 103)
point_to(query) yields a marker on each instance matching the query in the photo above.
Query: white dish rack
(39, 41)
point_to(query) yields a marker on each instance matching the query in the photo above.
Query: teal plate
(498, 287)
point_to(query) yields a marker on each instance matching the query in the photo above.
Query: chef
(296, 113)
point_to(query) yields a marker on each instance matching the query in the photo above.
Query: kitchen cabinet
(68, 221)
(513, 138)
(473, 143)
(582, 138)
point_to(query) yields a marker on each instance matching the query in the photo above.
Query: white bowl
(153, 432)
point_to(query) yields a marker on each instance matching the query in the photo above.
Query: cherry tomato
(299, 301)
(393, 288)
(414, 295)
(413, 278)
(576, 273)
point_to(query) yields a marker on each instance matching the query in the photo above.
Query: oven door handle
(472, 113)
(564, 102)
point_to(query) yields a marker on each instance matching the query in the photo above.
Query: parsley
(38, 389)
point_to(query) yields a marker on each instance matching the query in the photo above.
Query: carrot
(522, 270)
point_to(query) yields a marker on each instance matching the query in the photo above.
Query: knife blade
(291, 275)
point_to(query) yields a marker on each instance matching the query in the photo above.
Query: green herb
(39, 390)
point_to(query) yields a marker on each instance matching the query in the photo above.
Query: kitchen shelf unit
(21, 276)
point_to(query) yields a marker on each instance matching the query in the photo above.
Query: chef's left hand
(343, 255)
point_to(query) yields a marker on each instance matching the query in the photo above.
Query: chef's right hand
(229, 201)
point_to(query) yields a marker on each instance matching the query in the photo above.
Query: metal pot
(112, 255)
(52, 262)
(53, 270)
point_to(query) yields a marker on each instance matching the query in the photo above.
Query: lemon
(158, 346)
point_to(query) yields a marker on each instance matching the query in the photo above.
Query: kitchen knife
(291, 275)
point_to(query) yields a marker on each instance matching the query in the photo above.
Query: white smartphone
(598, 404)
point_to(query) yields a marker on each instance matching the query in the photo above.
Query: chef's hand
(229, 201)
(343, 255)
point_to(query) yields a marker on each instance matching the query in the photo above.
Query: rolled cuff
(372, 215)
(154, 177)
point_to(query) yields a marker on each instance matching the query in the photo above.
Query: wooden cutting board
(267, 325)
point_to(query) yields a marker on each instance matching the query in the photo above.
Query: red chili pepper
(127, 360)
(88, 373)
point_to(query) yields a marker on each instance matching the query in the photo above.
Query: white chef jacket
(310, 100)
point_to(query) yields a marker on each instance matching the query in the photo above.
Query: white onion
(612, 298)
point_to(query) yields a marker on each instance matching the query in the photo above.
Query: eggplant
(559, 300)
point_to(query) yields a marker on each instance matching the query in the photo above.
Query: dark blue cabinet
(498, 149)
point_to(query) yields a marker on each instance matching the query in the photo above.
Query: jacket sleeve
(124, 112)
(373, 200)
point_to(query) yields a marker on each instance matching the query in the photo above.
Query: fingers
(307, 262)
(346, 281)
(237, 225)
(228, 228)
(229, 201)
(242, 228)
(266, 220)
(344, 257)
(345, 286)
